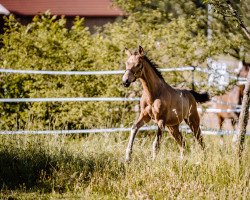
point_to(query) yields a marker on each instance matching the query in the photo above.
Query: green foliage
(45, 44)
(229, 17)
(173, 34)
(170, 8)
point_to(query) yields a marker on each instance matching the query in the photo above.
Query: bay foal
(166, 106)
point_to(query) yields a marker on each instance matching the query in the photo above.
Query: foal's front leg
(134, 130)
(156, 143)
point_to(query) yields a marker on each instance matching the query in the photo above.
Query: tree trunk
(244, 115)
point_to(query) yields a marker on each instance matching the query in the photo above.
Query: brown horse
(166, 106)
(231, 99)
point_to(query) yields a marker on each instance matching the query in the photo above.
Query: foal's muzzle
(126, 83)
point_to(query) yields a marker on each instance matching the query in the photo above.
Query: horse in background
(231, 99)
(165, 105)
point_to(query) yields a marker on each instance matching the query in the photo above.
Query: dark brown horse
(165, 105)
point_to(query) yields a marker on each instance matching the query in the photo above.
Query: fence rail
(107, 72)
(73, 99)
(104, 99)
(111, 72)
(109, 130)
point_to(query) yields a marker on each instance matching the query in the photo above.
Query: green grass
(92, 167)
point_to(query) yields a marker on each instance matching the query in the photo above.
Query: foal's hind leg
(221, 120)
(174, 131)
(234, 122)
(194, 123)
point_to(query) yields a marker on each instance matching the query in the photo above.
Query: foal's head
(242, 69)
(133, 66)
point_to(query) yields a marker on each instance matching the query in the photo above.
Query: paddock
(89, 163)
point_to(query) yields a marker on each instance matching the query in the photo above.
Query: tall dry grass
(92, 167)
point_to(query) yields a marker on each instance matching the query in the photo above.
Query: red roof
(62, 7)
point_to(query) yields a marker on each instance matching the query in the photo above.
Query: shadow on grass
(61, 171)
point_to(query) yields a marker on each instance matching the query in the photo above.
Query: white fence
(78, 99)
(110, 130)
(113, 72)
(102, 99)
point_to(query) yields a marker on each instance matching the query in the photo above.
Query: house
(95, 12)
(3, 11)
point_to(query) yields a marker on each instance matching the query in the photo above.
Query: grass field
(92, 167)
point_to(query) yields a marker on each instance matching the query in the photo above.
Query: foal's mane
(152, 64)
(154, 67)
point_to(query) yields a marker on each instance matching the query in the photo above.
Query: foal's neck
(152, 84)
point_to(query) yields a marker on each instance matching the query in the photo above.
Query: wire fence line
(109, 72)
(73, 99)
(110, 130)
(104, 99)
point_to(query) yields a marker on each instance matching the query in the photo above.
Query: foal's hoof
(154, 157)
(127, 160)
(234, 141)
(181, 157)
(221, 142)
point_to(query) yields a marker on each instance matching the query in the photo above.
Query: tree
(173, 34)
(234, 16)
(229, 10)
(244, 116)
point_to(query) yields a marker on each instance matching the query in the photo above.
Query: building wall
(90, 22)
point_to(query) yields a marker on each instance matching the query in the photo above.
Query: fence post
(193, 84)
(244, 115)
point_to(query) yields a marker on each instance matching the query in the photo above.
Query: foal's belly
(170, 116)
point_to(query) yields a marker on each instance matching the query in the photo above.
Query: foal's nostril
(126, 83)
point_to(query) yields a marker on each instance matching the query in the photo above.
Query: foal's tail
(200, 98)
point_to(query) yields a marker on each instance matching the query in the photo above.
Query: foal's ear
(141, 51)
(127, 52)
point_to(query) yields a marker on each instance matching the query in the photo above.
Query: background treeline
(173, 34)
